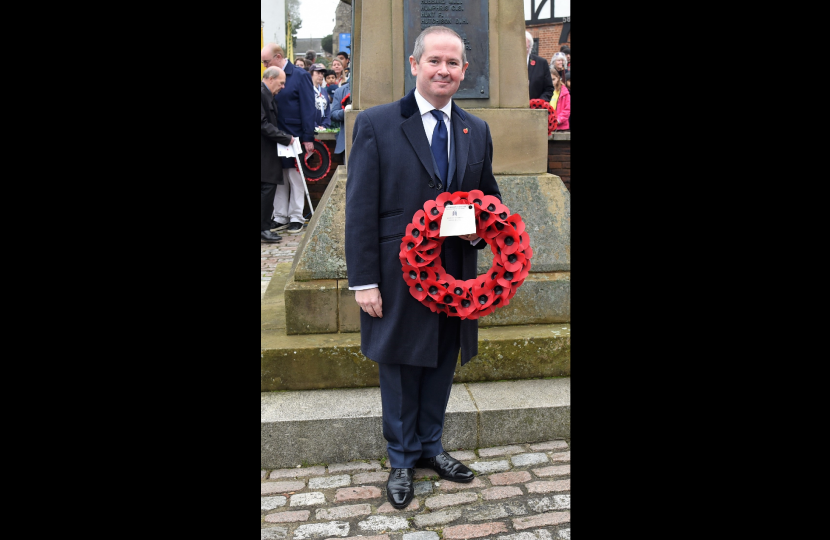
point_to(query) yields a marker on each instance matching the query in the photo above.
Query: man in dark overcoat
(270, 165)
(538, 74)
(404, 154)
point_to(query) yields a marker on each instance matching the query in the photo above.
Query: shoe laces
(400, 474)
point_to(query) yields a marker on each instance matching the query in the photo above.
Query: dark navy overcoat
(389, 171)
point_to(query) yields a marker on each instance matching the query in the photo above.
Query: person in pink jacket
(561, 102)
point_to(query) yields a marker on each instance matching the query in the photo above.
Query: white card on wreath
(458, 220)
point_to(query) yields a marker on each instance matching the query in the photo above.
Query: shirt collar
(425, 106)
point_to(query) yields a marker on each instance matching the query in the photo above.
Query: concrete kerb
(326, 426)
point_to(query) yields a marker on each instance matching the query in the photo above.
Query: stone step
(320, 361)
(336, 426)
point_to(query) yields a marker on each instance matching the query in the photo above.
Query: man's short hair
(272, 73)
(344, 54)
(565, 49)
(419, 43)
(528, 37)
(275, 49)
(330, 72)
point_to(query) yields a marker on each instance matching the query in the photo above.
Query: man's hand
(292, 142)
(471, 237)
(309, 147)
(370, 302)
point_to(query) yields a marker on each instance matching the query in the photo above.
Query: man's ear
(414, 66)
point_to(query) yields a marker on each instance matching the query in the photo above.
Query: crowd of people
(300, 98)
(551, 82)
(296, 100)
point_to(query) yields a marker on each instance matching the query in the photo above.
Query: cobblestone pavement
(521, 492)
(273, 254)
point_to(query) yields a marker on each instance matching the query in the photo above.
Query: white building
(272, 15)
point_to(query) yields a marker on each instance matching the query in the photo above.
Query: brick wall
(559, 160)
(548, 35)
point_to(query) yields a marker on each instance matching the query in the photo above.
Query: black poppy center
(500, 225)
(424, 275)
(433, 226)
(465, 303)
(434, 212)
(459, 291)
(512, 258)
(433, 290)
(509, 241)
(492, 208)
(498, 290)
(503, 215)
(508, 276)
(422, 221)
(409, 246)
(416, 233)
(484, 216)
(419, 288)
(448, 299)
(482, 299)
(412, 275)
(478, 202)
(418, 259)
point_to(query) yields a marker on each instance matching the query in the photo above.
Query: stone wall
(559, 158)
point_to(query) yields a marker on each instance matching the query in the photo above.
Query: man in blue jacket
(296, 105)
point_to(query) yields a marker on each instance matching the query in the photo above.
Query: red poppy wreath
(430, 284)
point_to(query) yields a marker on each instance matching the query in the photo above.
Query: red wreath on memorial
(472, 299)
(542, 104)
(317, 163)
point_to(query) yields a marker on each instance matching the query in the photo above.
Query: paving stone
(500, 451)
(463, 456)
(322, 530)
(387, 508)
(272, 503)
(308, 499)
(423, 488)
(548, 487)
(442, 501)
(343, 512)
(525, 460)
(303, 472)
(487, 467)
(542, 520)
(550, 445)
(546, 504)
(370, 478)
(383, 523)
(495, 511)
(354, 467)
(505, 479)
(560, 457)
(496, 493)
(262, 474)
(556, 470)
(328, 482)
(425, 473)
(541, 534)
(269, 488)
(356, 493)
(462, 532)
(273, 533)
(565, 534)
(447, 485)
(288, 517)
(425, 535)
(437, 518)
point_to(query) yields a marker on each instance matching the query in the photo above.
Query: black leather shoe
(276, 226)
(447, 468)
(269, 238)
(400, 488)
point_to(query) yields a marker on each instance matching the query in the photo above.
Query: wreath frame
(312, 174)
(472, 299)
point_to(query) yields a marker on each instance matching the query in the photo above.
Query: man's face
(270, 59)
(330, 79)
(529, 45)
(317, 77)
(275, 85)
(343, 60)
(440, 71)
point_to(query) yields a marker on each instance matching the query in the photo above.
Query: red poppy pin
(533, 62)
(466, 131)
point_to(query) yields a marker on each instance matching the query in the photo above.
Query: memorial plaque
(471, 19)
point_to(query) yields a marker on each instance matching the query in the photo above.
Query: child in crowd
(561, 101)
(321, 101)
(331, 86)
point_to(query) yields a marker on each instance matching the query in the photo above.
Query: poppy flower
(429, 254)
(419, 219)
(476, 197)
(414, 259)
(411, 275)
(433, 210)
(409, 242)
(513, 261)
(508, 241)
(433, 230)
(444, 199)
(483, 296)
(418, 292)
(414, 231)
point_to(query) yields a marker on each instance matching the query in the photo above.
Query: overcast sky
(318, 18)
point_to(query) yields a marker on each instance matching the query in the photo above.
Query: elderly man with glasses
(296, 105)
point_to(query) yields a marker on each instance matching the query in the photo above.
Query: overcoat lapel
(413, 128)
(462, 144)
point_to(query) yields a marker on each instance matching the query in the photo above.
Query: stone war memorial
(319, 396)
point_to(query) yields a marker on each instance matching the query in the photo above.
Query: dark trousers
(415, 400)
(266, 204)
